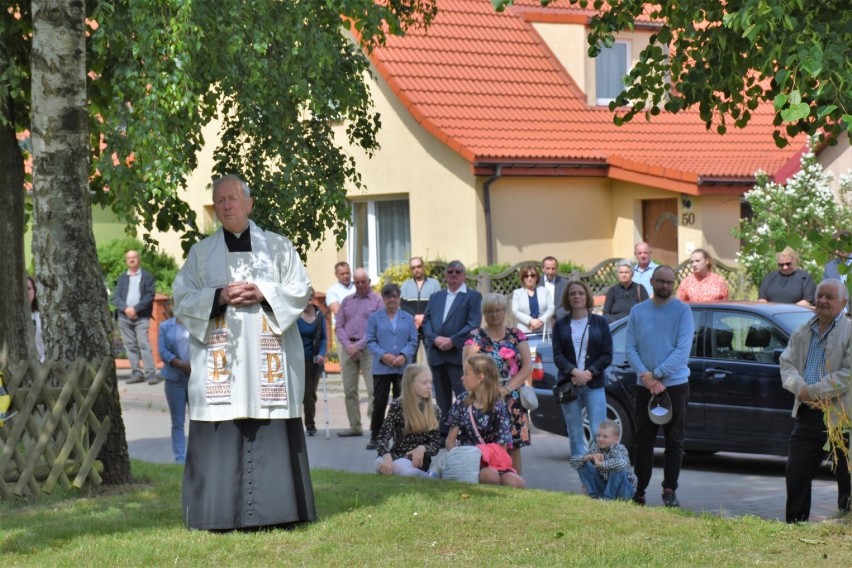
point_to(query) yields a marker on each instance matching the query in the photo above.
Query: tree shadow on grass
(152, 502)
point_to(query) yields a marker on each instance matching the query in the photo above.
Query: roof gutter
(486, 203)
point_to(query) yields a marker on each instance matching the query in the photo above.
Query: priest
(239, 295)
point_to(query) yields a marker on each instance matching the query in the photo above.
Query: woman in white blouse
(532, 305)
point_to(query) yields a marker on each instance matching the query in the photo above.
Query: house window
(611, 65)
(380, 233)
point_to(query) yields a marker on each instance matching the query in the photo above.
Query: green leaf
(780, 101)
(795, 97)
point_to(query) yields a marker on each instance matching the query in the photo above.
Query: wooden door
(659, 229)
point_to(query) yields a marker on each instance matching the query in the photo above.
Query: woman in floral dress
(511, 352)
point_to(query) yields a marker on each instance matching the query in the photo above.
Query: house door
(659, 229)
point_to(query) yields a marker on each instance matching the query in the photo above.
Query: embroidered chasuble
(247, 362)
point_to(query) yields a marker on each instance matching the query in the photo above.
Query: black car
(736, 403)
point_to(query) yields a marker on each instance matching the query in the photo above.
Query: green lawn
(373, 520)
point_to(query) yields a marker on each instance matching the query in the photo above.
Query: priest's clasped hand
(241, 294)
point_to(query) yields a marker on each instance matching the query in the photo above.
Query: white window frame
(372, 254)
(602, 101)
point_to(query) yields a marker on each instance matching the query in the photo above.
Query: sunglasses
(530, 276)
(784, 264)
(454, 272)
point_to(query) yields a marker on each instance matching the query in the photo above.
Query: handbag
(492, 454)
(460, 464)
(529, 400)
(564, 392)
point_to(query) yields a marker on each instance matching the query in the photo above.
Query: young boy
(605, 469)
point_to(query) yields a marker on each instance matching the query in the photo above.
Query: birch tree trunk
(75, 313)
(16, 326)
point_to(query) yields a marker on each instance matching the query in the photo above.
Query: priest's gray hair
(232, 177)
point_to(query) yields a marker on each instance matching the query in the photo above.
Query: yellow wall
(837, 160)
(569, 218)
(568, 43)
(715, 217)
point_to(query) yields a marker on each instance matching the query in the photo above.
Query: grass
(381, 521)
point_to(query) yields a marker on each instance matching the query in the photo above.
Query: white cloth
(275, 268)
(580, 339)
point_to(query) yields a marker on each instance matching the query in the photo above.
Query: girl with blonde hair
(412, 423)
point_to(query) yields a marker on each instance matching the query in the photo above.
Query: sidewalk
(726, 484)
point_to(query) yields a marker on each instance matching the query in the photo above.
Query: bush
(111, 258)
(803, 215)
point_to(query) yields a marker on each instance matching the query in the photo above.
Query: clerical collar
(238, 242)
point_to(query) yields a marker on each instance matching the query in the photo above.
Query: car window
(619, 340)
(699, 338)
(745, 337)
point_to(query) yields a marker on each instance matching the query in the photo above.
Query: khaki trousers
(349, 369)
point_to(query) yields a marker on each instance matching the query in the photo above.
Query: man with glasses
(449, 317)
(415, 293)
(659, 338)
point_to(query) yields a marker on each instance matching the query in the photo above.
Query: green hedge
(111, 258)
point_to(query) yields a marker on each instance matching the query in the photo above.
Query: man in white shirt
(342, 288)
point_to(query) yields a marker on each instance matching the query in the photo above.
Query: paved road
(724, 484)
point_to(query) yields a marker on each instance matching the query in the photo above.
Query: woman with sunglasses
(788, 284)
(532, 305)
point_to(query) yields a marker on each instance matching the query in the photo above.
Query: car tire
(615, 412)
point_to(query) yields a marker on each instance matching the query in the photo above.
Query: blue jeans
(594, 401)
(616, 486)
(177, 396)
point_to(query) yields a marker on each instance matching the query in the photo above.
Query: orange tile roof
(487, 85)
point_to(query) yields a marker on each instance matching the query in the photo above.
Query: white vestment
(237, 360)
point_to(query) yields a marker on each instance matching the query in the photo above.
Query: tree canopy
(278, 74)
(725, 58)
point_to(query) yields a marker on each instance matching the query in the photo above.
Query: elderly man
(351, 333)
(450, 316)
(659, 338)
(816, 367)
(644, 267)
(239, 295)
(134, 300)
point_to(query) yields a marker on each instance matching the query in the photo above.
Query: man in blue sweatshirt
(659, 339)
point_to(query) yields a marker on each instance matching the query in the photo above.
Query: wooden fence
(54, 437)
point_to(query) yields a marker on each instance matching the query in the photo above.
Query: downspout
(486, 200)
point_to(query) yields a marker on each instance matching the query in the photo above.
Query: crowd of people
(246, 344)
(486, 374)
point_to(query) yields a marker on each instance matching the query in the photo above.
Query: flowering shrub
(803, 215)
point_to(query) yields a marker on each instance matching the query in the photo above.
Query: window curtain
(610, 69)
(393, 233)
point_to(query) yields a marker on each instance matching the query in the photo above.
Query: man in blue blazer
(556, 284)
(449, 317)
(392, 337)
